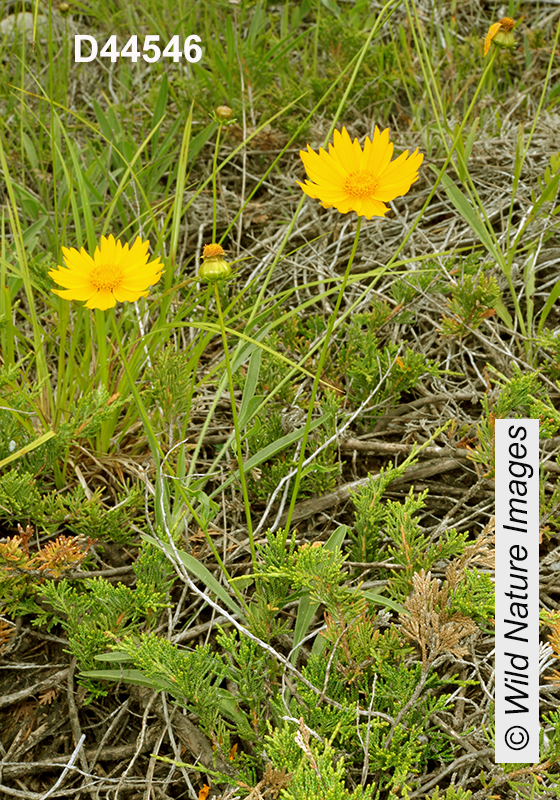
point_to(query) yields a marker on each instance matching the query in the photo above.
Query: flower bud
(505, 39)
(64, 8)
(501, 33)
(214, 267)
(224, 113)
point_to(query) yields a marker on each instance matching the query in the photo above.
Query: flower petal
(105, 254)
(140, 284)
(102, 299)
(121, 294)
(136, 258)
(70, 279)
(490, 35)
(374, 208)
(322, 164)
(78, 261)
(76, 294)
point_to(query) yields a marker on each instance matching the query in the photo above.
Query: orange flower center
(507, 23)
(107, 276)
(212, 250)
(361, 184)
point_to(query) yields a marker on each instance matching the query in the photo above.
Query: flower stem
(320, 365)
(236, 427)
(102, 367)
(214, 190)
(152, 438)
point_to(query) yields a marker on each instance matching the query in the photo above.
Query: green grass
(182, 436)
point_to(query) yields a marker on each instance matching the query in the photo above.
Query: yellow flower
(115, 273)
(351, 179)
(214, 267)
(501, 34)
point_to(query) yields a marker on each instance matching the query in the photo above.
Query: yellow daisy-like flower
(501, 34)
(115, 273)
(351, 179)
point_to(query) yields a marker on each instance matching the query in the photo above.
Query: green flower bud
(505, 39)
(214, 267)
(224, 113)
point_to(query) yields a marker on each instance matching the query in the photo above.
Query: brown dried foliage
(58, 556)
(429, 621)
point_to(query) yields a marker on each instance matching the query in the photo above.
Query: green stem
(316, 39)
(237, 431)
(214, 190)
(102, 366)
(320, 365)
(152, 439)
(199, 349)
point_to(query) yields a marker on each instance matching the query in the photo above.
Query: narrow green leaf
(552, 298)
(78, 174)
(230, 707)
(199, 571)
(250, 387)
(336, 539)
(503, 314)
(275, 447)
(468, 213)
(115, 655)
(247, 413)
(28, 448)
(133, 676)
(32, 231)
(460, 150)
(178, 199)
(159, 110)
(248, 348)
(471, 139)
(380, 600)
(306, 612)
